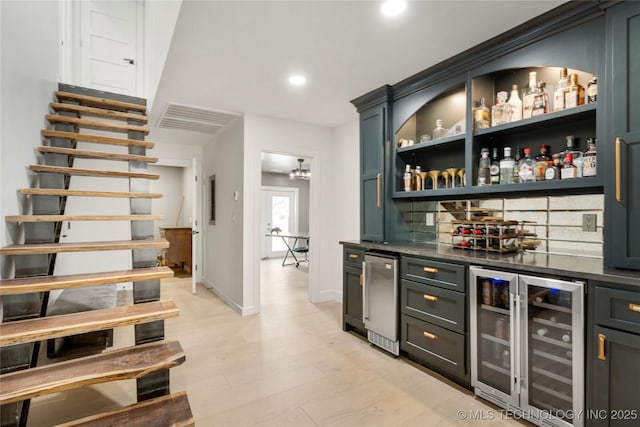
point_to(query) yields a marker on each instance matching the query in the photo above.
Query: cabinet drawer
(439, 306)
(618, 309)
(436, 273)
(353, 257)
(437, 347)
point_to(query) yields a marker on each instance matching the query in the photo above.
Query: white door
(111, 34)
(280, 211)
(195, 227)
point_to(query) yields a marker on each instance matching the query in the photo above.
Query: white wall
(171, 187)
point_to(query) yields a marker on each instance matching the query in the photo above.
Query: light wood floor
(291, 365)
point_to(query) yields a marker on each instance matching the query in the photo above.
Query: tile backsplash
(557, 221)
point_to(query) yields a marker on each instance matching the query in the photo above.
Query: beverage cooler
(527, 345)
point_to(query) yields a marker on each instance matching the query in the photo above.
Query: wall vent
(197, 119)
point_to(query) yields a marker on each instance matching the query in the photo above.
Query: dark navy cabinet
(352, 304)
(372, 139)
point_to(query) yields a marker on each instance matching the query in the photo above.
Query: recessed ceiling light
(393, 7)
(297, 80)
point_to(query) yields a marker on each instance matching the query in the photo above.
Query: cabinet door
(616, 375)
(623, 193)
(372, 138)
(352, 298)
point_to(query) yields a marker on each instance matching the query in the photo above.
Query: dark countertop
(566, 266)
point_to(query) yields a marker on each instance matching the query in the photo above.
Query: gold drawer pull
(354, 256)
(430, 297)
(430, 335)
(634, 307)
(361, 279)
(601, 338)
(430, 270)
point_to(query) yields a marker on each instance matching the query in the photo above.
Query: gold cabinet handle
(354, 256)
(430, 335)
(361, 279)
(430, 270)
(378, 178)
(601, 338)
(430, 297)
(618, 196)
(634, 307)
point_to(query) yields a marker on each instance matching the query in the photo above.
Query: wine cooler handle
(601, 340)
(519, 378)
(363, 279)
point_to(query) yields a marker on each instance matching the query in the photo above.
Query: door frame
(263, 213)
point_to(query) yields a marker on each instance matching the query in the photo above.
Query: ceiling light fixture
(300, 173)
(297, 80)
(393, 7)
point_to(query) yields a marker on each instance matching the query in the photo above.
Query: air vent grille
(186, 117)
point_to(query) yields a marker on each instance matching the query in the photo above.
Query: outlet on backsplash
(589, 222)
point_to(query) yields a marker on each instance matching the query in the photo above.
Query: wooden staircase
(25, 322)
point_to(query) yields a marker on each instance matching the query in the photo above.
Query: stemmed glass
(445, 175)
(423, 177)
(452, 173)
(434, 174)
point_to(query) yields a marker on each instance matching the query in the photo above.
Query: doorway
(280, 217)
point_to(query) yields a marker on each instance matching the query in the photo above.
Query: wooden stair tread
(126, 363)
(96, 138)
(86, 193)
(172, 410)
(92, 172)
(93, 111)
(26, 285)
(88, 154)
(95, 124)
(43, 328)
(60, 218)
(114, 245)
(94, 101)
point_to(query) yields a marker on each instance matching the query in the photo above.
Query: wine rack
(492, 235)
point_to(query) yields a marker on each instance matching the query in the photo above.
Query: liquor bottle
(439, 131)
(501, 112)
(494, 168)
(526, 167)
(590, 159)
(481, 116)
(561, 88)
(577, 155)
(417, 181)
(506, 167)
(540, 101)
(527, 99)
(575, 94)
(569, 170)
(484, 175)
(406, 178)
(516, 163)
(516, 104)
(542, 161)
(592, 89)
(553, 171)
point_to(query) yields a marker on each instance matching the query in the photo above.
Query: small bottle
(542, 161)
(542, 331)
(516, 162)
(515, 104)
(417, 180)
(592, 89)
(501, 112)
(526, 167)
(577, 155)
(590, 159)
(494, 168)
(439, 131)
(506, 167)
(569, 170)
(406, 178)
(575, 93)
(540, 101)
(553, 171)
(481, 116)
(566, 336)
(561, 88)
(484, 175)
(527, 99)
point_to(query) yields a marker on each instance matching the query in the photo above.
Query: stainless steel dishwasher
(380, 300)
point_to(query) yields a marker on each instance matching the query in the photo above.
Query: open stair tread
(94, 101)
(126, 363)
(114, 245)
(96, 138)
(60, 218)
(172, 410)
(25, 285)
(43, 328)
(92, 172)
(96, 124)
(87, 193)
(94, 111)
(88, 154)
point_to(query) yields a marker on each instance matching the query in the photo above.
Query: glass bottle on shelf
(501, 112)
(527, 99)
(516, 163)
(575, 94)
(406, 178)
(484, 176)
(515, 104)
(576, 155)
(592, 89)
(417, 181)
(553, 171)
(481, 116)
(526, 167)
(439, 131)
(590, 159)
(540, 101)
(561, 88)
(542, 161)
(506, 167)
(494, 168)
(569, 170)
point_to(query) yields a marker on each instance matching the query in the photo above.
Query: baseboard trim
(231, 303)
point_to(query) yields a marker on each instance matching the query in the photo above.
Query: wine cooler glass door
(552, 363)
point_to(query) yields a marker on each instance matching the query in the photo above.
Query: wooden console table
(179, 251)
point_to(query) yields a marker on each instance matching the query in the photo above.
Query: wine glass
(445, 175)
(461, 175)
(434, 174)
(452, 173)
(423, 177)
